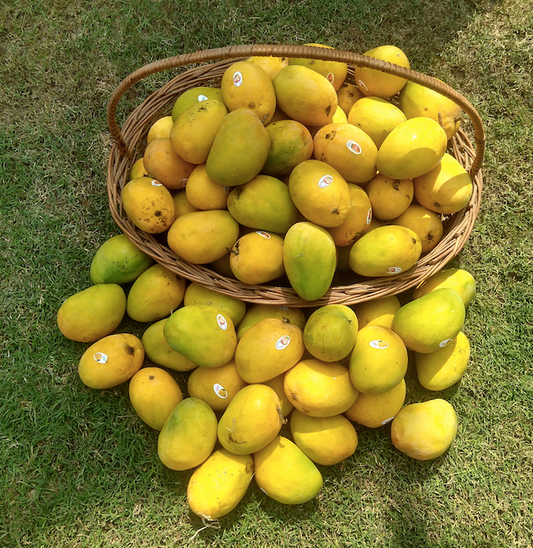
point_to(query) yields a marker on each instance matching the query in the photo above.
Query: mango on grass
(92, 313)
(455, 278)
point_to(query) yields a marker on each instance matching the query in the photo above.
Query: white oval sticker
(445, 342)
(100, 357)
(362, 85)
(202, 98)
(393, 270)
(353, 147)
(283, 342)
(222, 323)
(156, 183)
(237, 79)
(220, 391)
(379, 344)
(325, 181)
(265, 235)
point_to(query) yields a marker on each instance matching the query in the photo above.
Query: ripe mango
(164, 165)
(277, 385)
(160, 129)
(204, 193)
(347, 95)
(389, 197)
(455, 278)
(192, 96)
(427, 224)
(378, 311)
(260, 311)
(270, 64)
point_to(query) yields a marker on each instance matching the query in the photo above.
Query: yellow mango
(251, 420)
(257, 312)
(455, 278)
(424, 430)
(218, 485)
(320, 389)
(425, 223)
(378, 361)
(92, 313)
(111, 361)
(160, 129)
(270, 64)
(444, 367)
(389, 197)
(277, 385)
(155, 294)
(137, 170)
(203, 193)
(188, 436)
(201, 237)
(268, 349)
(202, 334)
(192, 96)
(378, 311)
(285, 473)
(181, 202)
(347, 95)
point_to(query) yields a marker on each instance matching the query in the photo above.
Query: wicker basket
(205, 68)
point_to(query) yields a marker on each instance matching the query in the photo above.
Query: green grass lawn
(79, 468)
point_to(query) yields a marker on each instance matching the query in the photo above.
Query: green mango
(456, 278)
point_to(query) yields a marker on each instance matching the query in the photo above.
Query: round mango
(427, 224)
(160, 129)
(270, 64)
(455, 278)
(203, 193)
(194, 95)
(389, 197)
(260, 311)
(347, 95)
(378, 311)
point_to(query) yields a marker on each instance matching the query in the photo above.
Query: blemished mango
(203, 193)
(155, 294)
(217, 386)
(347, 95)
(201, 237)
(202, 334)
(285, 473)
(218, 485)
(320, 389)
(154, 393)
(149, 205)
(455, 278)
(160, 129)
(444, 367)
(268, 349)
(251, 421)
(92, 313)
(305, 95)
(375, 410)
(309, 259)
(325, 440)
(111, 361)
(377, 311)
(263, 203)
(330, 332)
(348, 149)
(424, 430)
(427, 224)
(194, 95)
(389, 197)
(257, 312)
(270, 64)
(240, 148)
(378, 361)
(385, 251)
(412, 148)
(193, 133)
(188, 436)
(430, 322)
(160, 352)
(277, 385)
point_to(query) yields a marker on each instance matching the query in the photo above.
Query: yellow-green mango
(92, 313)
(155, 294)
(385, 251)
(412, 148)
(194, 95)
(251, 421)
(455, 278)
(277, 385)
(325, 440)
(268, 349)
(193, 133)
(330, 332)
(378, 311)
(202, 334)
(118, 261)
(285, 473)
(219, 484)
(430, 322)
(260, 311)
(424, 430)
(264, 203)
(240, 149)
(188, 436)
(444, 367)
(310, 259)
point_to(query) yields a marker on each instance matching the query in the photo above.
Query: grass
(79, 468)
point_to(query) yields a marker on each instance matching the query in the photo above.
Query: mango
(251, 420)
(378, 361)
(309, 259)
(257, 312)
(263, 203)
(118, 261)
(412, 148)
(201, 237)
(240, 149)
(325, 440)
(111, 361)
(217, 386)
(181, 202)
(204, 193)
(268, 349)
(330, 332)
(285, 473)
(389, 197)
(202, 334)
(335, 72)
(193, 133)
(455, 278)
(155, 294)
(425, 223)
(385, 251)
(218, 485)
(424, 430)
(270, 64)
(444, 367)
(160, 129)
(347, 95)
(430, 322)
(160, 352)
(320, 389)
(305, 95)
(188, 436)
(192, 96)
(377, 311)
(92, 313)
(137, 170)
(277, 385)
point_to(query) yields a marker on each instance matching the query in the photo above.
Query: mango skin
(218, 485)
(378, 311)
(258, 312)
(455, 278)
(285, 473)
(192, 96)
(430, 322)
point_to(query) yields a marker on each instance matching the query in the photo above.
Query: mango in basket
(270, 64)
(427, 224)
(378, 311)
(160, 129)
(192, 96)
(389, 197)
(347, 95)
(203, 193)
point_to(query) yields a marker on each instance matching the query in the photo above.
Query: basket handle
(311, 52)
